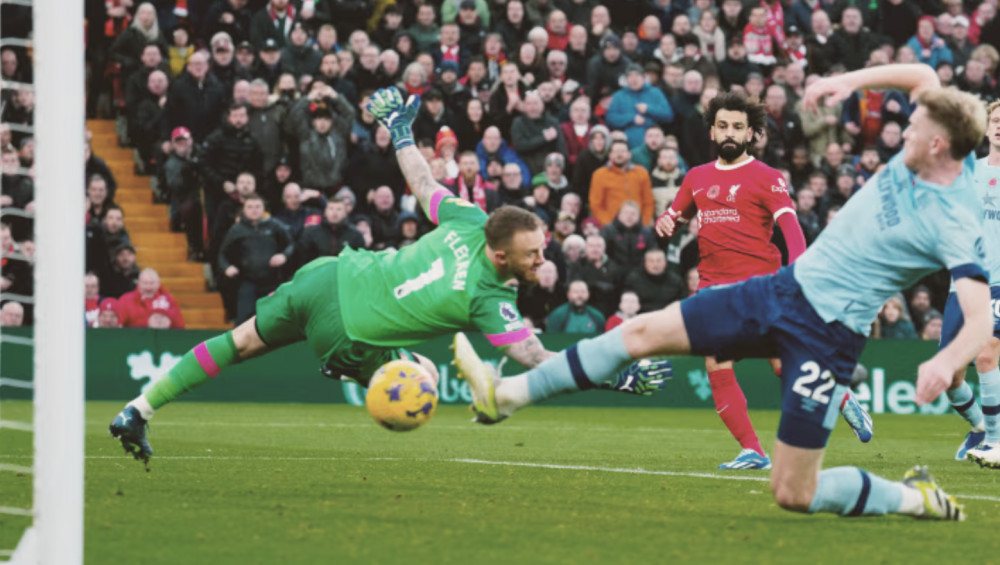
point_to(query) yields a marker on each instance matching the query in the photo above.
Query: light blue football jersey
(988, 189)
(893, 232)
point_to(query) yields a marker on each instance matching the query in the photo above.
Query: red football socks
(731, 405)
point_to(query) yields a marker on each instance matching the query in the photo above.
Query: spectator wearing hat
(470, 185)
(268, 64)
(195, 100)
(124, 273)
(246, 56)
(617, 182)
(454, 93)
(229, 150)
(409, 228)
(604, 70)
(329, 237)
(181, 181)
(319, 125)
(451, 10)
(446, 149)
(638, 107)
(491, 146)
(471, 28)
(297, 56)
(552, 175)
(432, 116)
(108, 314)
(273, 21)
(958, 42)
(252, 255)
(135, 306)
(536, 134)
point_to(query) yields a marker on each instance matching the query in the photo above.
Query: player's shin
(579, 367)
(989, 391)
(850, 491)
(731, 405)
(964, 402)
(198, 365)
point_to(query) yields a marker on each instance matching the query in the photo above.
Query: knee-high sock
(850, 491)
(964, 402)
(731, 405)
(579, 367)
(203, 362)
(989, 394)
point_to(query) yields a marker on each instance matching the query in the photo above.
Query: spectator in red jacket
(137, 306)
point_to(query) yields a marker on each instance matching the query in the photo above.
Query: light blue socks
(579, 367)
(850, 491)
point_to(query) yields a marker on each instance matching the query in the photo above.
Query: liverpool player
(738, 200)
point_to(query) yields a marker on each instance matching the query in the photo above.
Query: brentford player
(738, 200)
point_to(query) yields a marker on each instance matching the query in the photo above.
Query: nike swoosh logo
(697, 191)
(723, 410)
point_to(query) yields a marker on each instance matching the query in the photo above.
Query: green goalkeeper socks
(203, 362)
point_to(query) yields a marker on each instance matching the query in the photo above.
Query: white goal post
(56, 535)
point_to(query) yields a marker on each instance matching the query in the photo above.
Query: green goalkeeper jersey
(441, 284)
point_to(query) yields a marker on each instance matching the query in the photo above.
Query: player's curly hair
(506, 221)
(738, 102)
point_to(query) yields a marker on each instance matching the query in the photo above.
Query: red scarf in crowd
(478, 191)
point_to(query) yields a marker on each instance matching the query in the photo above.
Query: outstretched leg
(205, 361)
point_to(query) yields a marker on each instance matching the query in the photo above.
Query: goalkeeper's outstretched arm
(397, 116)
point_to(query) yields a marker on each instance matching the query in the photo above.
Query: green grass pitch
(290, 484)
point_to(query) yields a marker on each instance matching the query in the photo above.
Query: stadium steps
(148, 225)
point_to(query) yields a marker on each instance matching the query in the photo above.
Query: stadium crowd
(249, 118)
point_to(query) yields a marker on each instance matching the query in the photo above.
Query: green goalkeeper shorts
(308, 308)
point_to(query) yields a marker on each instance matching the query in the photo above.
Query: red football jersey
(736, 206)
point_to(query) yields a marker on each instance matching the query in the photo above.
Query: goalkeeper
(457, 277)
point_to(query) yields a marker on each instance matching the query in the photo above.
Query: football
(402, 396)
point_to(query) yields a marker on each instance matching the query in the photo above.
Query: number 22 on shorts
(805, 387)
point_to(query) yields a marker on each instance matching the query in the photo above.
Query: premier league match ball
(401, 396)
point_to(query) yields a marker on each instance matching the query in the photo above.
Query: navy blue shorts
(768, 316)
(953, 319)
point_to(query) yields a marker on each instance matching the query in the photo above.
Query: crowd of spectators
(249, 116)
